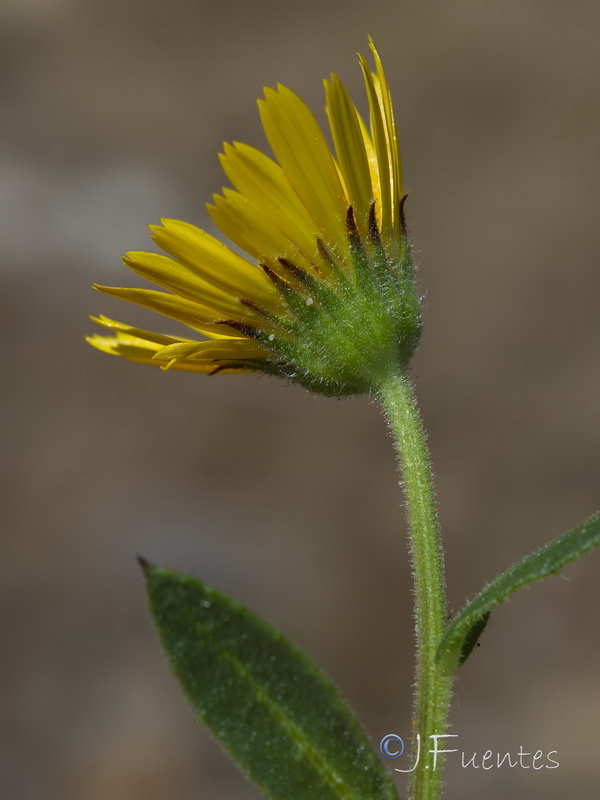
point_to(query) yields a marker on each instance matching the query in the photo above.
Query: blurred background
(114, 113)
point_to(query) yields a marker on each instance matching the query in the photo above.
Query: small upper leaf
(462, 633)
(472, 637)
(270, 707)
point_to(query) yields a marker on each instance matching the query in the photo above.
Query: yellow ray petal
(373, 166)
(213, 261)
(379, 136)
(142, 351)
(301, 149)
(242, 221)
(350, 149)
(246, 224)
(122, 343)
(385, 101)
(191, 314)
(259, 179)
(207, 367)
(157, 338)
(179, 279)
(229, 349)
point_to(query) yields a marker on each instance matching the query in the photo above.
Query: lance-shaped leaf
(462, 633)
(269, 706)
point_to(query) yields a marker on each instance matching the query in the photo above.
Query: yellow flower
(326, 296)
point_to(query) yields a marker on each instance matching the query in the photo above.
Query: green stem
(432, 686)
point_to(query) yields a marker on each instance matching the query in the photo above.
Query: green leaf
(472, 637)
(269, 706)
(462, 633)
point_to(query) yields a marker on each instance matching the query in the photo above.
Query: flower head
(326, 296)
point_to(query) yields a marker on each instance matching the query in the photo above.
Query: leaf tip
(145, 565)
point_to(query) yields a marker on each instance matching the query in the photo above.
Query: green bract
(346, 335)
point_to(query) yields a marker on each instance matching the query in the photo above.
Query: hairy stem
(432, 686)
